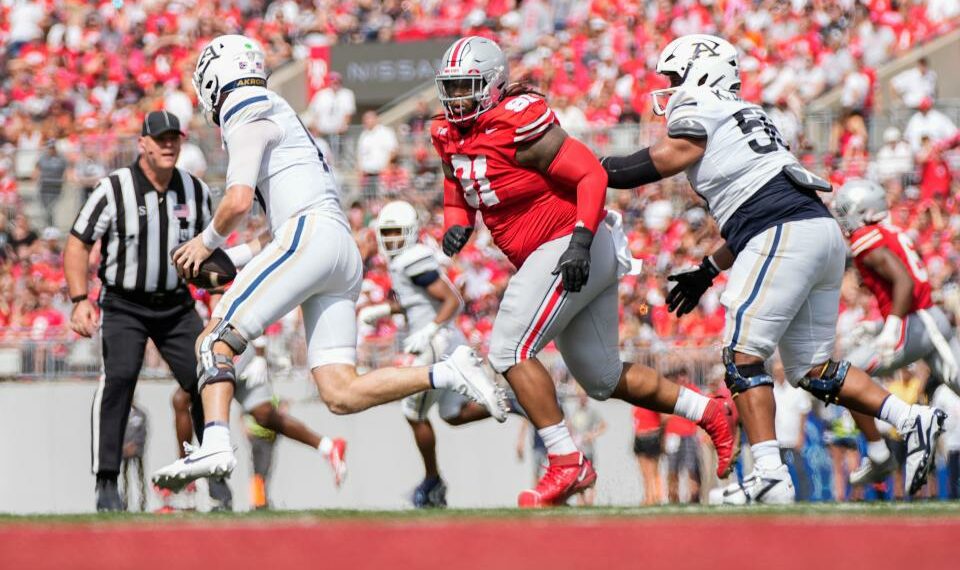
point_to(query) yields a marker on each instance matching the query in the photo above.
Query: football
(216, 271)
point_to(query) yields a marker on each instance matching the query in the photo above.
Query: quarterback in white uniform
(785, 253)
(430, 304)
(310, 261)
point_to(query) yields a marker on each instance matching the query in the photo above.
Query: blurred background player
(785, 252)
(586, 425)
(430, 303)
(647, 446)
(312, 262)
(255, 395)
(131, 467)
(541, 194)
(914, 328)
(793, 408)
(681, 445)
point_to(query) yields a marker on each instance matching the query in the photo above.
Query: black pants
(953, 474)
(126, 328)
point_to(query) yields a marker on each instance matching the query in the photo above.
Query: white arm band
(240, 255)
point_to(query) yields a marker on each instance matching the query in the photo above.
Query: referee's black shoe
(108, 496)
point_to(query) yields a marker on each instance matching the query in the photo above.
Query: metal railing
(63, 356)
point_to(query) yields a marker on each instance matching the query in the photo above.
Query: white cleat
(921, 431)
(198, 463)
(772, 487)
(476, 384)
(871, 472)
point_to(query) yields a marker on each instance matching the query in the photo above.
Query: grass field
(902, 535)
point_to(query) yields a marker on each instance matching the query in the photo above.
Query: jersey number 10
(472, 173)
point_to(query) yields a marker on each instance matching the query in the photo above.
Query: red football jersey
(869, 238)
(522, 208)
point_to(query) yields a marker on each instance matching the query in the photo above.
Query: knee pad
(213, 367)
(826, 386)
(742, 378)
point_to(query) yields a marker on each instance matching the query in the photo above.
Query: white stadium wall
(45, 453)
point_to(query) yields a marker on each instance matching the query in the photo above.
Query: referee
(139, 214)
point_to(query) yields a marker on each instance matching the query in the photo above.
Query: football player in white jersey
(310, 261)
(430, 303)
(785, 253)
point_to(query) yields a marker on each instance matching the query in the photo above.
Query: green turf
(947, 510)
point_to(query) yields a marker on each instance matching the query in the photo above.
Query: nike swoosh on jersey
(489, 131)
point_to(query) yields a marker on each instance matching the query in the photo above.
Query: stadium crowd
(78, 77)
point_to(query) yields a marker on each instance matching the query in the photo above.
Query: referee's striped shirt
(139, 226)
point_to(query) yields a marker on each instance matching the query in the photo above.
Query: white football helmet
(226, 63)
(398, 215)
(859, 203)
(697, 60)
(473, 69)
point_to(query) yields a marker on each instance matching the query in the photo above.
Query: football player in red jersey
(541, 194)
(914, 328)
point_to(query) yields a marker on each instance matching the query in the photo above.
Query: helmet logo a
(707, 47)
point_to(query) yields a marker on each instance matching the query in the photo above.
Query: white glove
(888, 342)
(419, 341)
(255, 374)
(373, 313)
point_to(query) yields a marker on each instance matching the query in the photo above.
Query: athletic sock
(216, 435)
(877, 451)
(557, 439)
(894, 411)
(690, 404)
(443, 375)
(766, 455)
(326, 446)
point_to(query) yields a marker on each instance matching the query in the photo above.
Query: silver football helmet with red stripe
(858, 203)
(472, 78)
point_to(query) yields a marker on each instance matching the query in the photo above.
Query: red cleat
(566, 475)
(720, 422)
(338, 460)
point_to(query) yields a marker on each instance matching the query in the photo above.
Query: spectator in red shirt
(681, 444)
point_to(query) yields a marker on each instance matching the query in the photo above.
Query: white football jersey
(294, 177)
(744, 149)
(420, 306)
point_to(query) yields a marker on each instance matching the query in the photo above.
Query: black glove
(690, 286)
(574, 264)
(455, 238)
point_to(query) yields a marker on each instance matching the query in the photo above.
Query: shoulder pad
(416, 260)
(245, 105)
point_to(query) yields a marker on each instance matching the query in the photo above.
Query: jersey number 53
(472, 173)
(752, 120)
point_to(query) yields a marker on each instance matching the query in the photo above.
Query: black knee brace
(742, 378)
(826, 386)
(213, 367)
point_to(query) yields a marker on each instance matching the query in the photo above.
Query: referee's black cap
(158, 122)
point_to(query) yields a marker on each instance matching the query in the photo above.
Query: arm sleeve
(456, 211)
(246, 144)
(95, 216)
(576, 167)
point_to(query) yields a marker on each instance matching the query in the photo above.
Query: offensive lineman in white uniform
(786, 255)
(430, 303)
(311, 262)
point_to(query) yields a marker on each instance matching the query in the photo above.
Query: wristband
(211, 239)
(240, 255)
(712, 265)
(78, 298)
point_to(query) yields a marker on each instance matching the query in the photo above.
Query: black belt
(153, 299)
